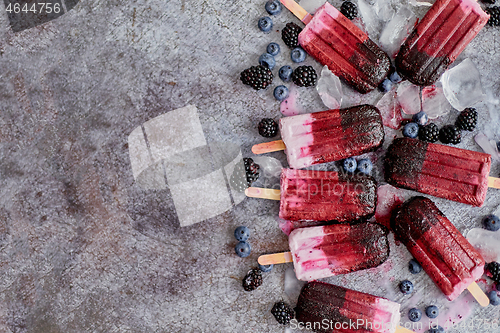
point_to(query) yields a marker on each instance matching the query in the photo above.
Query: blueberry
(273, 49)
(273, 7)
(498, 145)
(385, 86)
(491, 222)
(365, 166)
(267, 60)
(438, 329)
(420, 118)
(265, 24)
(414, 267)
(494, 299)
(242, 233)
(410, 130)
(350, 164)
(266, 268)
(285, 73)
(406, 287)
(432, 311)
(298, 54)
(280, 93)
(414, 314)
(243, 249)
(395, 77)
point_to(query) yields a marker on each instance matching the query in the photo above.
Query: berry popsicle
(442, 171)
(445, 255)
(438, 39)
(327, 136)
(333, 40)
(323, 251)
(313, 195)
(324, 307)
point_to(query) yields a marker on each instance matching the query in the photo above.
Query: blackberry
(257, 77)
(290, 34)
(304, 76)
(429, 132)
(491, 2)
(450, 134)
(282, 312)
(252, 280)
(494, 269)
(268, 128)
(349, 10)
(238, 180)
(494, 15)
(467, 119)
(251, 170)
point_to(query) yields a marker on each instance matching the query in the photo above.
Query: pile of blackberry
(252, 280)
(466, 121)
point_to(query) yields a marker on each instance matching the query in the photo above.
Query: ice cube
(396, 30)
(329, 89)
(489, 146)
(388, 198)
(462, 85)
(486, 242)
(384, 9)
(434, 102)
(390, 110)
(310, 5)
(408, 96)
(370, 18)
(269, 166)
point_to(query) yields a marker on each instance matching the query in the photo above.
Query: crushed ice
(408, 96)
(390, 109)
(329, 89)
(434, 102)
(489, 146)
(396, 30)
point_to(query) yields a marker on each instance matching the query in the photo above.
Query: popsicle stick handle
(401, 329)
(268, 147)
(493, 182)
(275, 258)
(296, 10)
(478, 294)
(263, 193)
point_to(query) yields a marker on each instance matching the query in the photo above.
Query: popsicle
(334, 41)
(323, 251)
(313, 195)
(445, 255)
(442, 171)
(438, 39)
(324, 307)
(327, 136)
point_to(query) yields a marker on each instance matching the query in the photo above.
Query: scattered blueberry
(494, 299)
(438, 329)
(385, 86)
(365, 166)
(280, 93)
(266, 268)
(421, 118)
(414, 267)
(395, 77)
(265, 24)
(491, 222)
(498, 145)
(285, 73)
(243, 249)
(414, 314)
(267, 60)
(273, 7)
(273, 49)
(432, 311)
(410, 130)
(350, 164)
(406, 287)
(242, 233)
(298, 54)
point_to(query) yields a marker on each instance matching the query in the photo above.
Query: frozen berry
(252, 280)
(429, 133)
(290, 34)
(267, 60)
(350, 165)
(285, 73)
(467, 119)
(280, 93)
(257, 77)
(251, 170)
(406, 287)
(493, 268)
(349, 10)
(450, 134)
(273, 49)
(432, 311)
(414, 267)
(491, 222)
(395, 77)
(304, 76)
(243, 249)
(265, 24)
(414, 314)
(273, 7)
(298, 54)
(241, 233)
(421, 118)
(438, 329)
(365, 166)
(410, 130)
(494, 299)
(282, 312)
(385, 85)
(268, 128)
(494, 15)
(266, 268)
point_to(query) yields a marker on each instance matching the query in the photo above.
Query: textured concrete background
(82, 248)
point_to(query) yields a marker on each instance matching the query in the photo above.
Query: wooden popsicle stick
(478, 294)
(275, 258)
(268, 147)
(401, 329)
(493, 182)
(263, 193)
(298, 11)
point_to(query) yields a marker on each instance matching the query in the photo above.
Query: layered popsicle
(445, 255)
(442, 171)
(331, 135)
(336, 42)
(326, 196)
(438, 39)
(324, 307)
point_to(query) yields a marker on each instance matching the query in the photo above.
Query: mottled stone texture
(82, 247)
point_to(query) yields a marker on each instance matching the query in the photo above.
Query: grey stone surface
(82, 247)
